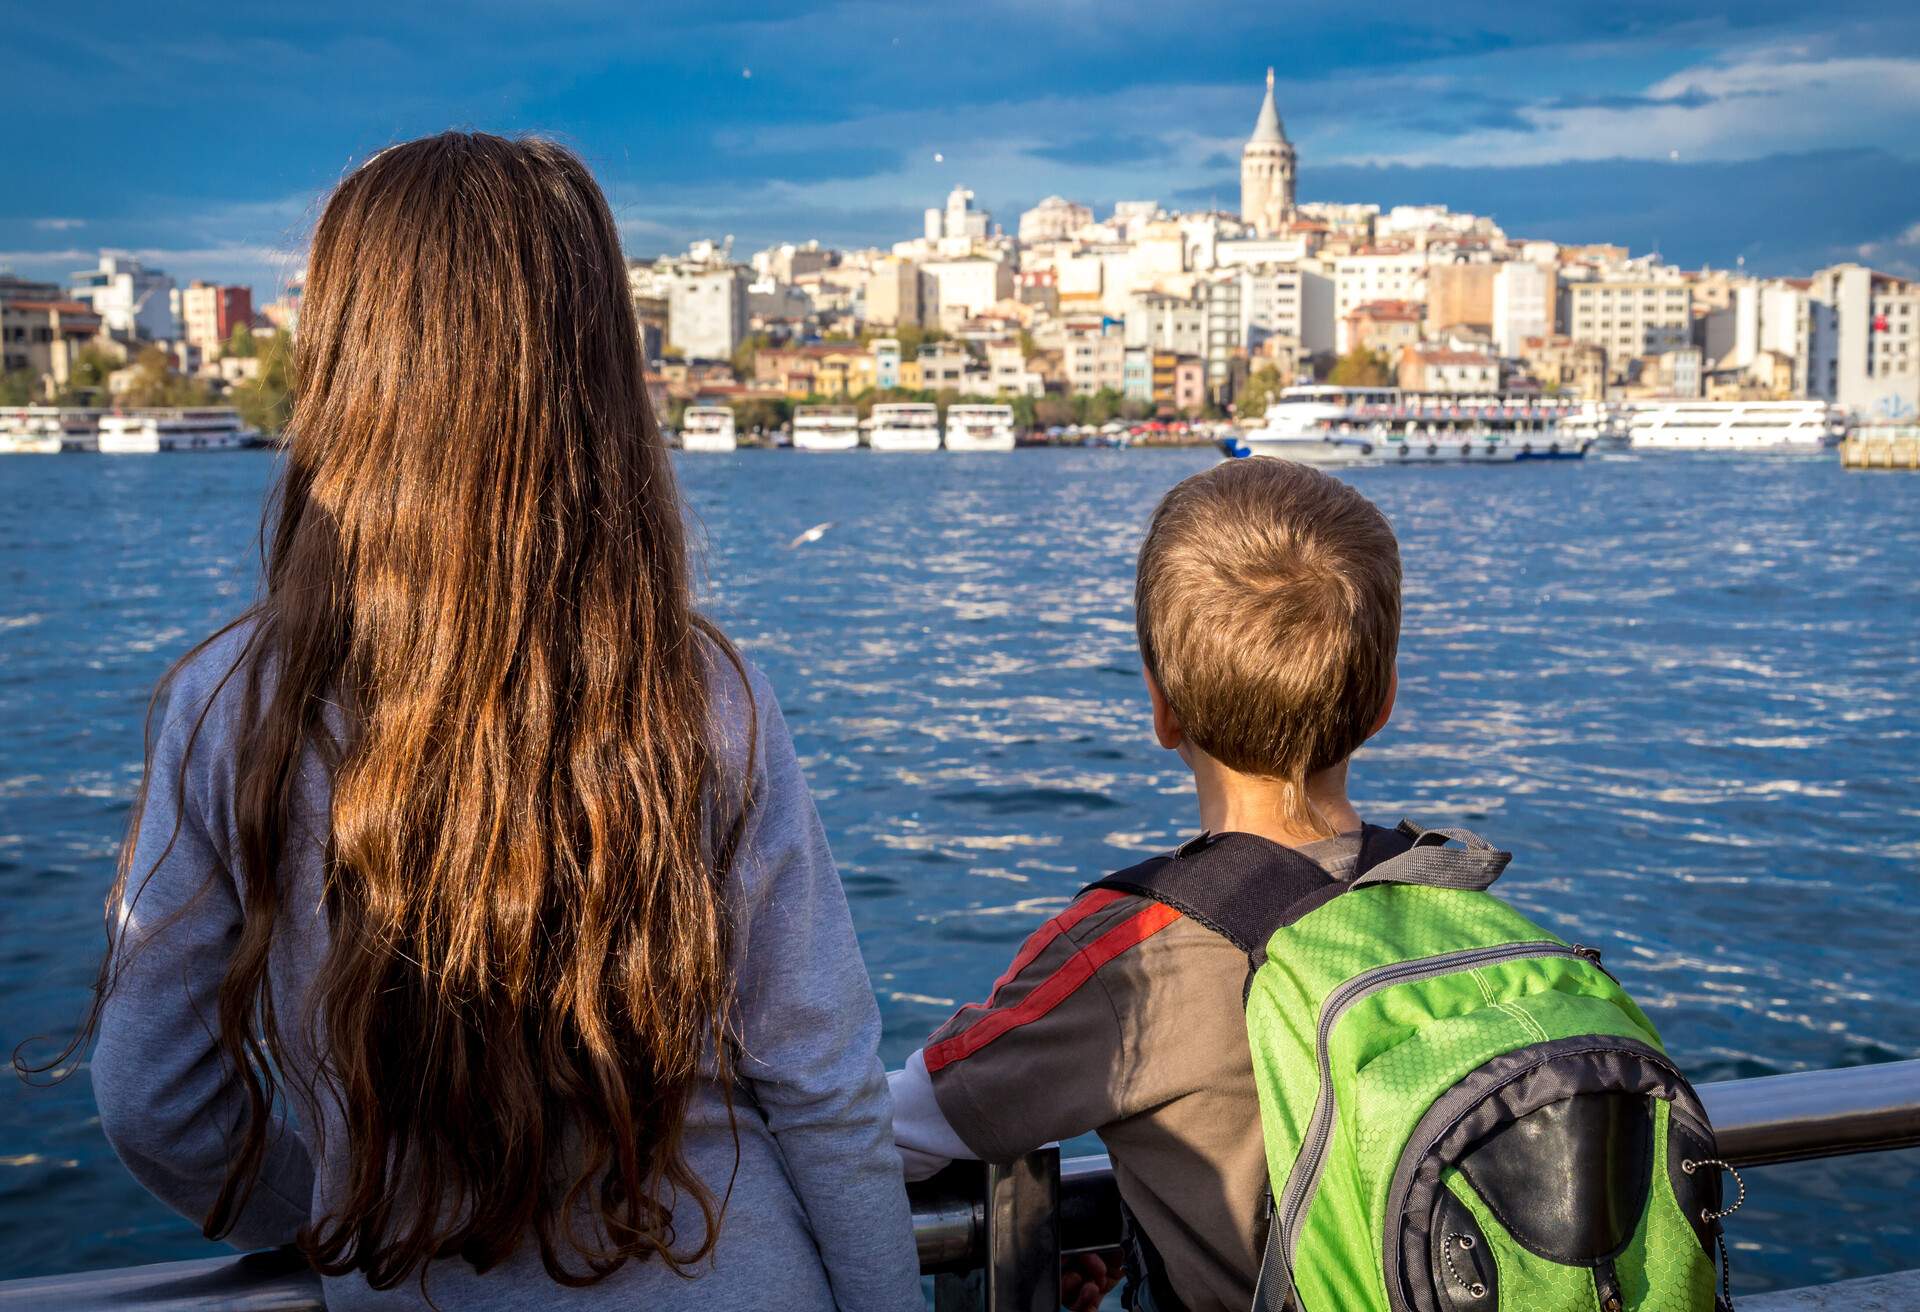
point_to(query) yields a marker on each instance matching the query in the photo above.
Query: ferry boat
(905, 426)
(1321, 424)
(708, 428)
(979, 428)
(144, 432)
(1737, 427)
(826, 428)
(45, 430)
(1603, 426)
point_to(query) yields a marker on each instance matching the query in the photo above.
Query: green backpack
(1462, 1113)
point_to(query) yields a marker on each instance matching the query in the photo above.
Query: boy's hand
(1086, 1278)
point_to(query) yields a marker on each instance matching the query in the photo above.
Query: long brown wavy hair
(476, 554)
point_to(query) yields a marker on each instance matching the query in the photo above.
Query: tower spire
(1266, 128)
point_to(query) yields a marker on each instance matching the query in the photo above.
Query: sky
(203, 138)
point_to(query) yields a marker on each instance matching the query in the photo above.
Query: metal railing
(992, 1236)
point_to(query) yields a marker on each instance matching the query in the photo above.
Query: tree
(1361, 368)
(155, 383)
(1052, 411)
(241, 342)
(743, 354)
(86, 383)
(265, 401)
(16, 387)
(1262, 388)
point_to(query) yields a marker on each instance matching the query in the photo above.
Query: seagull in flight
(813, 534)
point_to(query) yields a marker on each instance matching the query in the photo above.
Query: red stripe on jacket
(1057, 987)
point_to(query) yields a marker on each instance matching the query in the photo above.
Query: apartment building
(1630, 318)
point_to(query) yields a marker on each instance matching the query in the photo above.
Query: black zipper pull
(1592, 957)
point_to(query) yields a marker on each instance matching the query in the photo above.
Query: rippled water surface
(1683, 692)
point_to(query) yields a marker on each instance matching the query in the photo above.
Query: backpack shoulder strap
(1244, 887)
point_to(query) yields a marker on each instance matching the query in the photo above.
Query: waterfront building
(1865, 348)
(964, 288)
(1163, 322)
(1095, 355)
(1461, 294)
(1224, 317)
(1375, 275)
(209, 313)
(1054, 219)
(942, 367)
(1630, 318)
(707, 310)
(130, 298)
(1137, 375)
(1008, 373)
(1565, 367)
(886, 363)
(1295, 302)
(1267, 166)
(1385, 327)
(1463, 372)
(1758, 318)
(43, 334)
(1523, 304)
(900, 294)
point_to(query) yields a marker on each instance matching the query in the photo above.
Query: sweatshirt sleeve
(810, 1031)
(167, 1104)
(1045, 1057)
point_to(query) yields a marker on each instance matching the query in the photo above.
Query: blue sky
(203, 137)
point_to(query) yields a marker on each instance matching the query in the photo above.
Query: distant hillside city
(1145, 312)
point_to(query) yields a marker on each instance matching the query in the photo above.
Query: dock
(1891, 448)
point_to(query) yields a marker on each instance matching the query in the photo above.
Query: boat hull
(826, 441)
(979, 441)
(905, 439)
(714, 443)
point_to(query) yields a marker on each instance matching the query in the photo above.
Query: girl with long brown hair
(476, 931)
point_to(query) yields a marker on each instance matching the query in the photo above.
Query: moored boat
(48, 429)
(1737, 427)
(1321, 424)
(826, 428)
(980, 428)
(708, 428)
(202, 428)
(905, 426)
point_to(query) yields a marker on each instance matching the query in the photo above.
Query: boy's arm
(1045, 1057)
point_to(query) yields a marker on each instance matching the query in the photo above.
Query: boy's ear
(1166, 725)
(1386, 711)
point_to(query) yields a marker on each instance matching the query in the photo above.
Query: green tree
(241, 342)
(155, 383)
(86, 383)
(1262, 388)
(17, 387)
(743, 354)
(1361, 368)
(1052, 411)
(265, 401)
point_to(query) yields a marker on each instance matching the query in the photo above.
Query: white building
(1160, 322)
(707, 310)
(1291, 301)
(1054, 219)
(1095, 357)
(1761, 317)
(964, 288)
(1523, 305)
(1370, 276)
(131, 299)
(1263, 250)
(1865, 352)
(1630, 318)
(960, 221)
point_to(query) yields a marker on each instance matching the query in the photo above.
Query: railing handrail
(966, 1216)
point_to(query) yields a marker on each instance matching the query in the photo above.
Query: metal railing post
(1023, 1234)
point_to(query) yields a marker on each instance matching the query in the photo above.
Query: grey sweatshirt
(817, 1216)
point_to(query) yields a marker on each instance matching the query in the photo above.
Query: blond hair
(1268, 608)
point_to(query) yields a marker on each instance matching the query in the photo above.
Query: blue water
(1683, 692)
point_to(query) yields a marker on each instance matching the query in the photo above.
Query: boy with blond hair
(1268, 612)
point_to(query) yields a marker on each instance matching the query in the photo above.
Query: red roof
(63, 307)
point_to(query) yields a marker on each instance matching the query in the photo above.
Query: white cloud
(59, 225)
(1744, 105)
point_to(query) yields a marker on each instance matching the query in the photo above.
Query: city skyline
(1758, 134)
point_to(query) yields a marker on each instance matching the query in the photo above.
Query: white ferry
(708, 428)
(1603, 426)
(825, 428)
(1321, 424)
(143, 432)
(905, 426)
(979, 428)
(1737, 427)
(46, 430)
